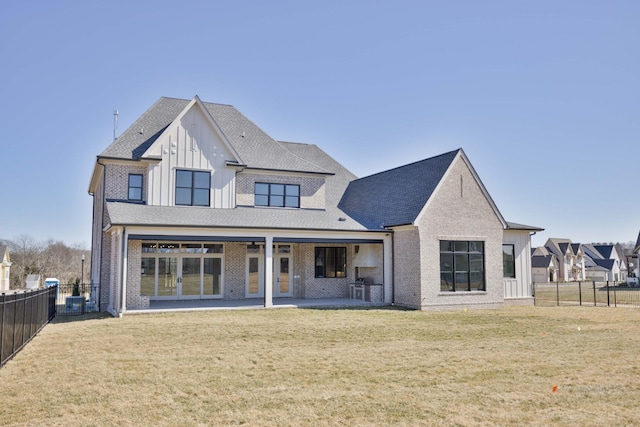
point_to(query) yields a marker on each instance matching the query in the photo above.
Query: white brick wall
(312, 190)
(407, 271)
(460, 211)
(117, 180)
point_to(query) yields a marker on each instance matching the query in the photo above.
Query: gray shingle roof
(255, 148)
(337, 183)
(516, 226)
(605, 250)
(121, 213)
(606, 263)
(541, 261)
(396, 196)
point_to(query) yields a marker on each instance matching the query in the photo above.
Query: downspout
(123, 278)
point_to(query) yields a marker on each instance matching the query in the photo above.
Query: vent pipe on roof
(367, 256)
(115, 124)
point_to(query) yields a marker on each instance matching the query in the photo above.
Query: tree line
(50, 258)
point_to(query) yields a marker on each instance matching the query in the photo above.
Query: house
(604, 263)
(5, 268)
(570, 258)
(544, 265)
(194, 201)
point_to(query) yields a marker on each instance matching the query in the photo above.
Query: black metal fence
(22, 316)
(74, 300)
(588, 293)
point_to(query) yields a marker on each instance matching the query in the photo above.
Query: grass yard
(297, 367)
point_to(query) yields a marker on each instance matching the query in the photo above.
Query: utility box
(33, 281)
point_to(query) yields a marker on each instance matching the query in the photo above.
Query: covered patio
(249, 304)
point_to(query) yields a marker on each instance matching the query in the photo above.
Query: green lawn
(295, 367)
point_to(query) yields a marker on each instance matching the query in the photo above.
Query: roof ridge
(410, 164)
(191, 99)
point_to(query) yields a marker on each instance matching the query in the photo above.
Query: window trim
(130, 187)
(271, 196)
(192, 188)
(321, 261)
(512, 261)
(458, 255)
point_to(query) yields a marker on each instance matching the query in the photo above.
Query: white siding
(520, 286)
(191, 144)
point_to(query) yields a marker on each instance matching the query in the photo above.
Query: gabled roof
(605, 250)
(559, 246)
(565, 247)
(398, 196)
(255, 148)
(591, 251)
(542, 261)
(606, 263)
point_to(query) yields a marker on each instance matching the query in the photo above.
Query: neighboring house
(544, 266)
(571, 262)
(194, 201)
(604, 263)
(5, 268)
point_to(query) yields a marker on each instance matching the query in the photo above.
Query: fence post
(594, 294)
(608, 300)
(580, 292)
(615, 299)
(557, 293)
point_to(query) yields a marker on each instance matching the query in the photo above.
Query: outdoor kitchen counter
(369, 292)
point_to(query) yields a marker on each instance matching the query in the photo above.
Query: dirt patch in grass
(331, 367)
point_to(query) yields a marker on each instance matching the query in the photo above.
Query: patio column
(387, 270)
(125, 255)
(268, 271)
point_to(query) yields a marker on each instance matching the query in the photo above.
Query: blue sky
(543, 96)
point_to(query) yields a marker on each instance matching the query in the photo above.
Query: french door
(282, 278)
(183, 277)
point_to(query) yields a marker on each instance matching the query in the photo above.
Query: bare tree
(48, 259)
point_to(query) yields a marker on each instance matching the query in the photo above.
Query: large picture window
(193, 188)
(135, 187)
(277, 195)
(508, 261)
(331, 262)
(461, 266)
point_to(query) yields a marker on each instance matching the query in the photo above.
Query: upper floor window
(135, 187)
(461, 266)
(508, 261)
(277, 195)
(193, 188)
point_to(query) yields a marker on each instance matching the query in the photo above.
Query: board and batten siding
(520, 286)
(194, 145)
